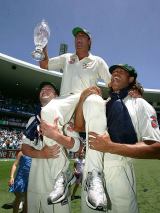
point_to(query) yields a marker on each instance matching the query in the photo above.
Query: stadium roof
(22, 79)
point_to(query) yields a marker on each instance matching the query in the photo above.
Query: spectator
(78, 172)
(19, 183)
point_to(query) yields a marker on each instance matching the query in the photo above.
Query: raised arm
(44, 63)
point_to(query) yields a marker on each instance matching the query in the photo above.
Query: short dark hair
(45, 83)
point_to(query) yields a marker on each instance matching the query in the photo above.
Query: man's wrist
(57, 136)
(112, 147)
(41, 154)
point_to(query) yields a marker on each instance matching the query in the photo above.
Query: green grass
(5, 196)
(148, 186)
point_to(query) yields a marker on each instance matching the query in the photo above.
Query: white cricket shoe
(60, 188)
(96, 196)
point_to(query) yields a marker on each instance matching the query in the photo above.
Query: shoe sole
(99, 208)
(50, 202)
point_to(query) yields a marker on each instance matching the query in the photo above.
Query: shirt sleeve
(104, 73)
(147, 121)
(57, 63)
(32, 143)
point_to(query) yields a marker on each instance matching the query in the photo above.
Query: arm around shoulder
(45, 153)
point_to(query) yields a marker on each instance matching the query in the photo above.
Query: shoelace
(96, 184)
(59, 181)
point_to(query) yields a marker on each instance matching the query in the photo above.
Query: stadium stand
(10, 138)
(14, 114)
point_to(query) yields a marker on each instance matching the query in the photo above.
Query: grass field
(148, 186)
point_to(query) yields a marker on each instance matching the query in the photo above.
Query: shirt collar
(121, 94)
(89, 58)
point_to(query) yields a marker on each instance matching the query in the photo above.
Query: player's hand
(99, 142)
(50, 130)
(11, 181)
(90, 91)
(50, 151)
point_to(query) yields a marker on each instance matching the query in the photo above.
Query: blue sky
(123, 31)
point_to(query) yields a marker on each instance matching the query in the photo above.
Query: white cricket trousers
(95, 118)
(120, 183)
(120, 186)
(40, 204)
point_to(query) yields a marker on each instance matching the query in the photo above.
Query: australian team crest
(154, 121)
(72, 59)
(87, 65)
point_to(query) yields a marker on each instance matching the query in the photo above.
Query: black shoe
(7, 206)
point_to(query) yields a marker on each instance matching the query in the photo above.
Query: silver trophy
(41, 36)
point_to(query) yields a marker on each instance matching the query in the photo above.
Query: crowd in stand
(17, 104)
(14, 114)
(10, 139)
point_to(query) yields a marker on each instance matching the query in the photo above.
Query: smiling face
(46, 94)
(120, 79)
(82, 41)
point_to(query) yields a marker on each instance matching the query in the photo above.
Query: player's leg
(19, 197)
(33, 202)
(95, 118)
(64, 206)
(121, 184)
(62, 108)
